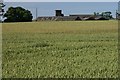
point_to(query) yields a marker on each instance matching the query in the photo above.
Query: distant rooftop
(80, 14)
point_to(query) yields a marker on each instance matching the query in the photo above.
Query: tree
(1, 11)
(95, 13)
(18, 14)
(106, 15)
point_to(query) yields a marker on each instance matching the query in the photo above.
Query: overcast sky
(61, 0)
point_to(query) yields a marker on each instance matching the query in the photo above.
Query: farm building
(59, 16)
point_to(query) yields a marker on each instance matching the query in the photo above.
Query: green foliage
(1, 5)
(18, 14)
(106, 15)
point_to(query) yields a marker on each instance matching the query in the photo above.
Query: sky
(48, 8)
(61, 0)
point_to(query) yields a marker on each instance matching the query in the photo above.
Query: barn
(59, 16)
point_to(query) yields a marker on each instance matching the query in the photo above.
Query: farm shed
(72, 17)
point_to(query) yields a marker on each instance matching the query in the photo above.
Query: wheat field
(60, 49)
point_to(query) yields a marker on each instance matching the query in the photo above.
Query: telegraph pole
(116, 14)
(36, 14)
